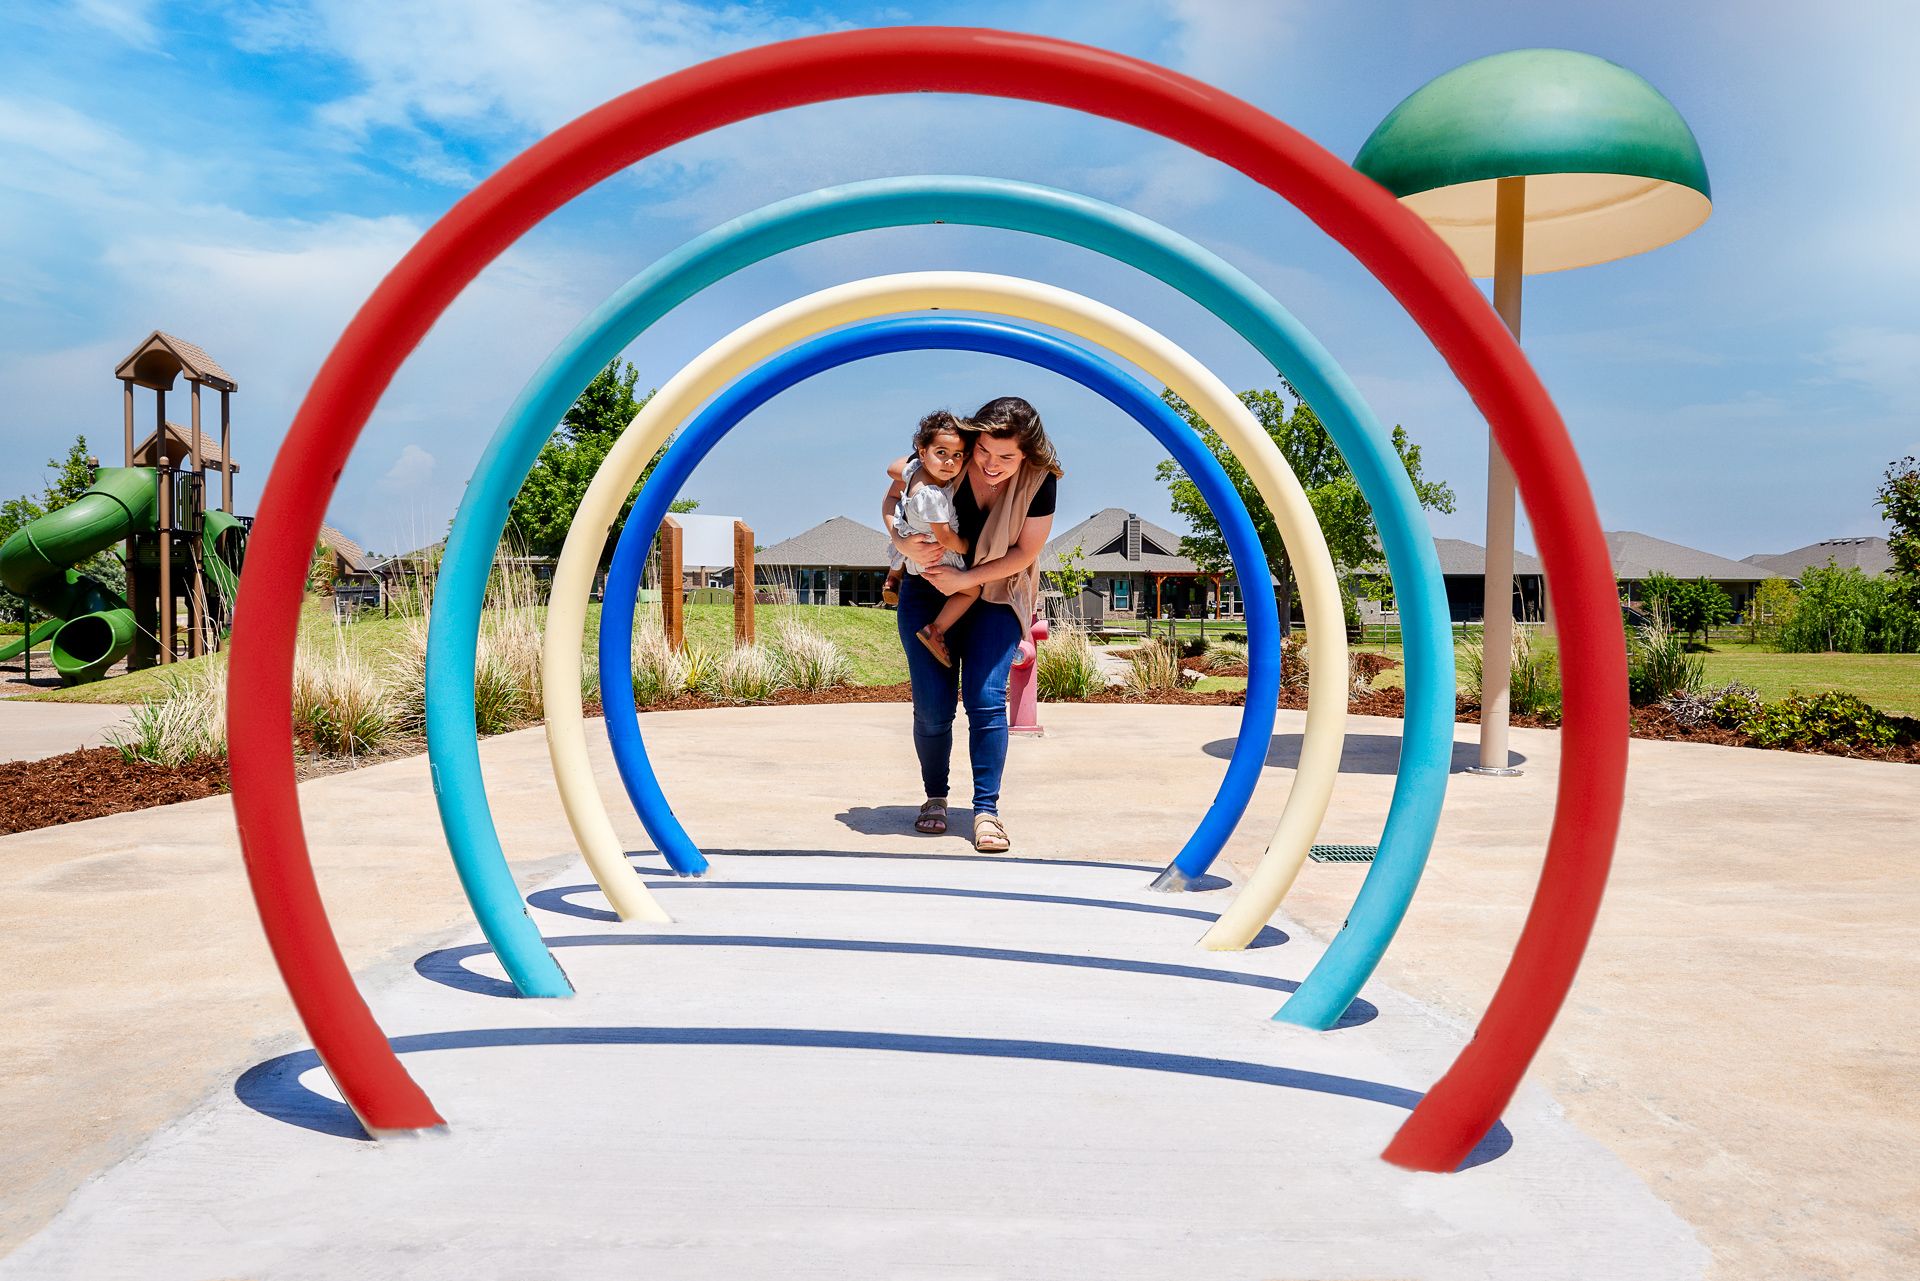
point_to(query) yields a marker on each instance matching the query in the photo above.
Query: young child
(924, 510)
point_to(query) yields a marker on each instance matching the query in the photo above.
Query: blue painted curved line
(942, 333)
(1201, 275)
(274, 1088)
(558, 899)
(1214, 882)
(1206, 884)
(448, 967)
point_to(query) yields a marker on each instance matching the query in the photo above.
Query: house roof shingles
(351, 554)
(1159, 548)
(1636, 556)
(1871, 555)
(839, 543)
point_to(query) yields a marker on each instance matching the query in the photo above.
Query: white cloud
(131, 20)
(1884, 360)
(411, 471)
(1232, 43)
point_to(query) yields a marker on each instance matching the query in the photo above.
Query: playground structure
(182, 558)
(790, 343)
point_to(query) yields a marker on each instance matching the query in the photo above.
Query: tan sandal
(930, 637)
(933, 817)
(990, 834)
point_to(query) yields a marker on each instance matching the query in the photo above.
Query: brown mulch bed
(1659, 723)
(96, 782)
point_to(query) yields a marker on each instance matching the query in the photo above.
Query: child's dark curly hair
(940, 421)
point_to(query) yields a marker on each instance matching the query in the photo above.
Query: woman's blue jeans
(983, 645)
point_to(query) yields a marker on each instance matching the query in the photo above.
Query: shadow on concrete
(274, 1088)
(448, 966)
(558, 899)
(1364, 754)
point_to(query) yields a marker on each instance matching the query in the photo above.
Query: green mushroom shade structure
(1526, 162)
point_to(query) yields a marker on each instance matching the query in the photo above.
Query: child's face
(944, 456)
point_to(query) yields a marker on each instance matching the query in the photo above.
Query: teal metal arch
(1203, 276)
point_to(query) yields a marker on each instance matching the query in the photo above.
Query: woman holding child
(968, 515)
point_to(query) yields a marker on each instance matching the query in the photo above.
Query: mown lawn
(866, 635)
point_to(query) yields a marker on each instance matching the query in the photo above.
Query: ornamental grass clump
(1155, 668)
(340, 702)
(1066, 668)
(1223, 656)
(659, 670)
(186, 723)
(1659, 665)
(1533, 684)
(746, 674)
(809, 660)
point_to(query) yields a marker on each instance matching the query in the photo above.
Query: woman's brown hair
(1012, 418)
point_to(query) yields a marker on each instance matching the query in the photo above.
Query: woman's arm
(1032, 541)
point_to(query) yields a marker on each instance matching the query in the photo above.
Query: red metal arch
(1389, 240)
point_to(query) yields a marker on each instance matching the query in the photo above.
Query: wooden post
(164, 475)
(226, 453)
(673, 606)
(197, 584)
(742, 583)
(126, 417)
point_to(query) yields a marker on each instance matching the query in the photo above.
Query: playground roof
(1869, 554)
(839, 543)
(161, 357)
(178, 441)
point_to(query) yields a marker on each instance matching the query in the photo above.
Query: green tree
(1698, 606)
(1346, 518)
(1071, 578)
(1899, 501)
(543, 511)
(1772, 605)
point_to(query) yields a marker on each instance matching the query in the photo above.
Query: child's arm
(897, 468)
(948, 537)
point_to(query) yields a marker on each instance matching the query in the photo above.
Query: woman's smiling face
(996, 458)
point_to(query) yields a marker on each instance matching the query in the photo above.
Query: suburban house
(1463, 568)
(837, 562)
(354, 581)
(1137, 572)
(1637, 557)
(1870, 555)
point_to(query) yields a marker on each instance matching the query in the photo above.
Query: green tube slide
(95, 626)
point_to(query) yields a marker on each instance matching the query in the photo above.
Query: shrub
(1658, 665)
(1067, 667)
(188, 722)
(1733, 704)
(659, 671)
(341, 703)
(1843, 610)
(808, 658)
(747, 674)
(1155, 668)
(1802, 720)
(1293, 663)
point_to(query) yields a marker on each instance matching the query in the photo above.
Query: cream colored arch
(1095, 322)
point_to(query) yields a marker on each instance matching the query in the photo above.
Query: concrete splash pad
(879, 1066)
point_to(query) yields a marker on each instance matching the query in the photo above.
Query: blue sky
(242, 174)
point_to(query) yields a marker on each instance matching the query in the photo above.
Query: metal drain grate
(1343, 853)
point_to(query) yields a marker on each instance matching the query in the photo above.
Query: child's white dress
(918, 511)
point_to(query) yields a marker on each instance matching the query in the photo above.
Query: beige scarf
(1006, 517)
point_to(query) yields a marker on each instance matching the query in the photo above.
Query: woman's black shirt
(970, 518)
